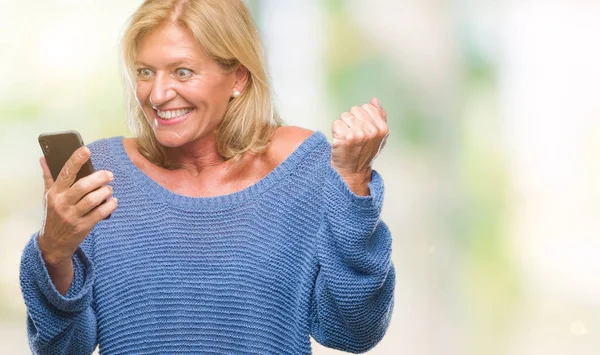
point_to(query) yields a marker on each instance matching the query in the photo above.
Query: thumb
(48, 181)
(375, 102)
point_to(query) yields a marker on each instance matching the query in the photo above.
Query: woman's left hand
(358, 137)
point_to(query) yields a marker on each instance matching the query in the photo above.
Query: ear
(241, 78)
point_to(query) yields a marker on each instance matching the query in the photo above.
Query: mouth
(171, 117)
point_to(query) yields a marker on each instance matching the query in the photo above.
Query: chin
(170, 139)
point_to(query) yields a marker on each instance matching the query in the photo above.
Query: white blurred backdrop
(491, 171)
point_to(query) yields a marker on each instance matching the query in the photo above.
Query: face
(183, 93)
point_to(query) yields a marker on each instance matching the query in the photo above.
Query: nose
(163, 90)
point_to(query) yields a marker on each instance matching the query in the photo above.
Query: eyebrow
(171, 65)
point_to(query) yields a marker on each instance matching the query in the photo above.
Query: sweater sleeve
(353, 297)
(58, 324)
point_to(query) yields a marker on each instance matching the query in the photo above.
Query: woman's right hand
(72, 209)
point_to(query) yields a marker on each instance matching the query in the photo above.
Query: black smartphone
(58, 148)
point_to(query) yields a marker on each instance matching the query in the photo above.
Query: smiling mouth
(172, 114)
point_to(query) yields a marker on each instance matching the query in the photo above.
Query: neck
(197, 157)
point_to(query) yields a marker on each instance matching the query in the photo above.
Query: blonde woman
(232, 234)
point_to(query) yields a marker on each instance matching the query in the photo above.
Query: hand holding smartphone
(58, 148)
(76, 196)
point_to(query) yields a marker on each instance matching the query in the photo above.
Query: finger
(375, 114)
(101, 212)
(69, 172)
(349, 120)
(375, 102)
(360, 113)
(88, 184)
(46, 174)
(368, 123)
(367, 129)
(340, 131)
(93, 199)
(355, 127)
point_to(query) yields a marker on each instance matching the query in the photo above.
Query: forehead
(169, 43)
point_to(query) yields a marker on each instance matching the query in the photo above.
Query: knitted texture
(253, 272)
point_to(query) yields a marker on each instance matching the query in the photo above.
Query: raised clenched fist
(358, 137)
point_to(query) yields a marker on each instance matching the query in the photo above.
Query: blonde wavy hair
(226, 32)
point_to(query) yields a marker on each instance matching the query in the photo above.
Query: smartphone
(58, 148)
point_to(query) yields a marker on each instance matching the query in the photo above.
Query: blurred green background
(491, 169)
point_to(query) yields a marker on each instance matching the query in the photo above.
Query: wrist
(357, 182)
(57, 263)
(52, 258)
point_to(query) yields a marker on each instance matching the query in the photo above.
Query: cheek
(214, 89)
(200, 94)
(142, 91)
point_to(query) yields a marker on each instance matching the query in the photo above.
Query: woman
(233, 234)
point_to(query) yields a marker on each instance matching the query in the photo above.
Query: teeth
(172, 114)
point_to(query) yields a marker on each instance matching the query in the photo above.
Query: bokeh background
(491, 169)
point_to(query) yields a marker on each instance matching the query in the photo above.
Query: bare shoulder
(285, 140)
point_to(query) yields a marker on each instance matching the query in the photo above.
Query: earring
(236, 93)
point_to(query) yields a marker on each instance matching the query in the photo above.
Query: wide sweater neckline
(162, 195)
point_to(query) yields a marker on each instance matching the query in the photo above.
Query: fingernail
(84, 152)
(111, 176)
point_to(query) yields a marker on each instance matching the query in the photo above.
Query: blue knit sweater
(253, 272)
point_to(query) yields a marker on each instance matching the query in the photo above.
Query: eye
(144, 73)
(183, 73)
